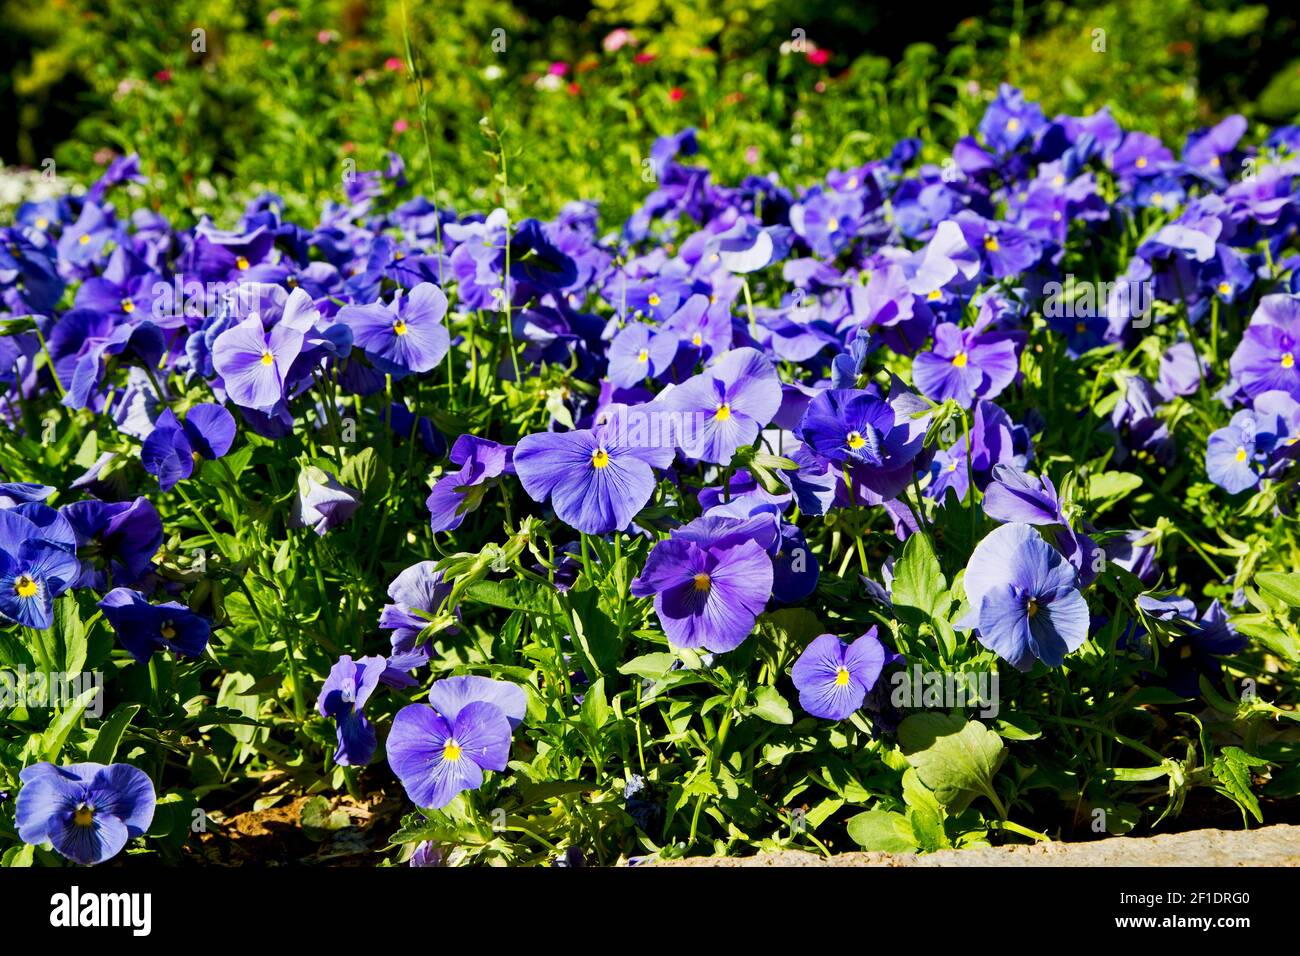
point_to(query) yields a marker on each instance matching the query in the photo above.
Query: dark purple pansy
(173, 447)
(144, 628)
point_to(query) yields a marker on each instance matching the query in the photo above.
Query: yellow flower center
(1215, 162)
(697, 340)
(1241, 454)
(654, 298)
(1288, 360)
(952, 466)
(1013, 124)
(600, 458)
(42, 224)
(167, 631)
(1158, 198)
(723, 412)
(833, 225)
(959, 360)
(852, 183)
(83, 816)
(1032, 607)
(856, 441)
(842, 677)
(399, 327)
(643, 355)
(1224, 288)
(83, 239)
(991, 243)
(26, 586)
(933, 296)
(241, 263)
(268, 358)
(1141, 162)
(701, 581)
(128, 306)
(1058, 180)
(451, 751)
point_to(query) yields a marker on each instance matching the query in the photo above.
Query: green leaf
(1232, 770)
(363, 471)
(1282, 587)
(1108, 487)
(512, 595)
(650, 666)
(56, 734)
(954, 757)
(771, 706)
(920, 591)
(882, 830)
(595, 709)
(924, 813)
(110, 733)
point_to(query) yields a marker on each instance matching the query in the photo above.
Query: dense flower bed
(923, 506)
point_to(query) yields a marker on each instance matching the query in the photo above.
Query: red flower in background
(819, 57)
(677, 94)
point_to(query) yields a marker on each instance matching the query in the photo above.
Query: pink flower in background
(163, 76)
(325, 36)
(819, 57)
(393, 64)
(644, 58)
(400, 126)
(751, 155)
(559, 69)
(617, 39)
(676, 94)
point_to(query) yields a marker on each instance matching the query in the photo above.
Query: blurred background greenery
(225, 98)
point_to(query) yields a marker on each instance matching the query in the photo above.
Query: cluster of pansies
(757, 361)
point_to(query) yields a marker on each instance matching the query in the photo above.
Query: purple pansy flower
(597, 479)
(965, 365)
(1268, 356)
(144, 628)
(343, 697)
(322, 503)
(173, 447)
(254, 363)
(707, 594)
(639, 352)
(457, 493)
(406, 335)
(725, 406)
(438, 752)
(88, 812)
(1024, 598)
(833, 678)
